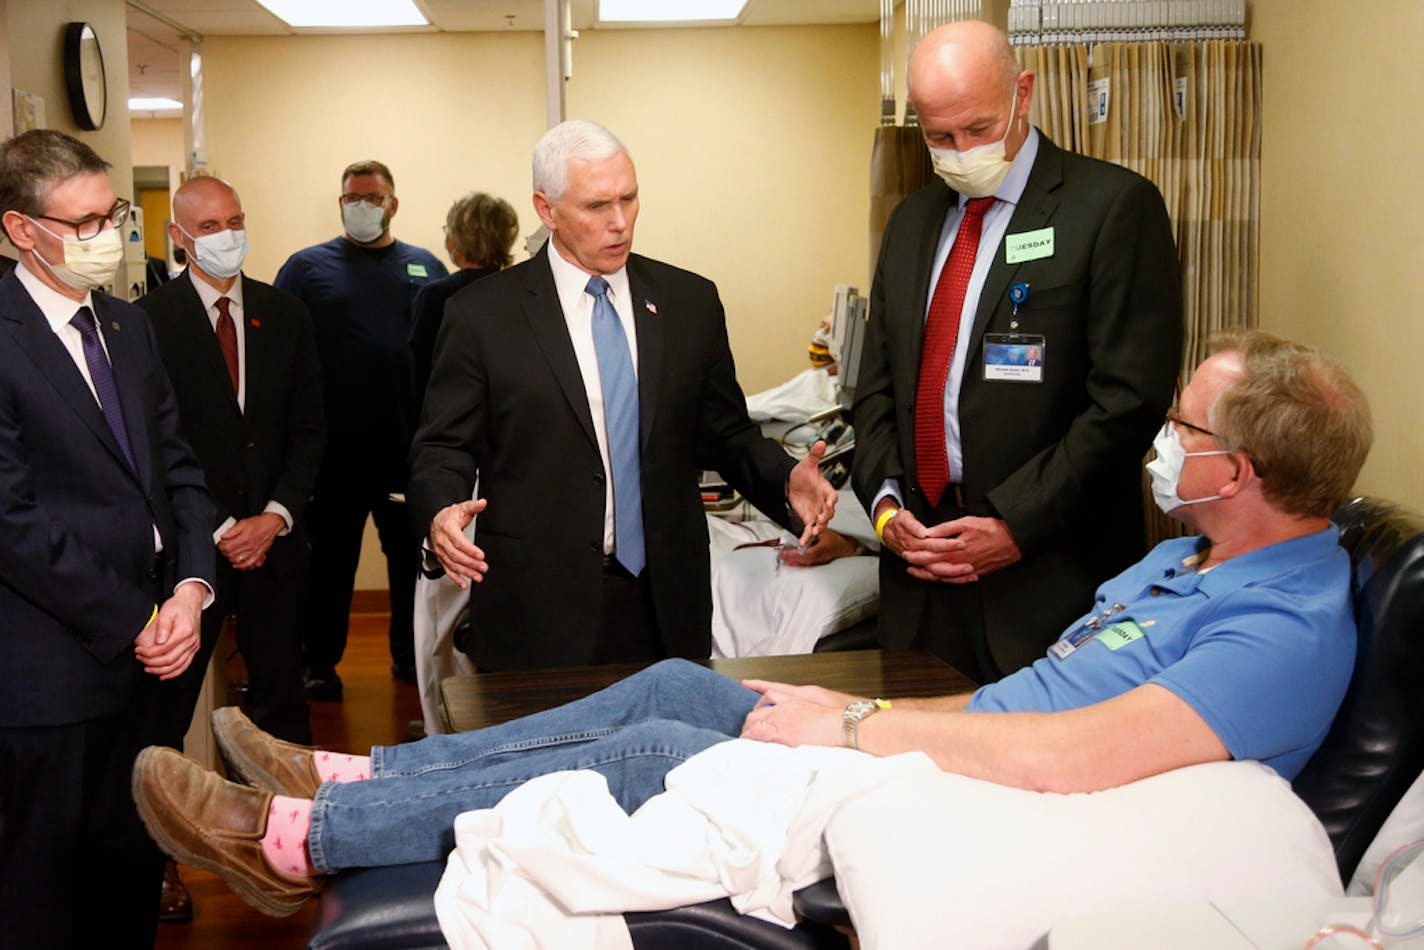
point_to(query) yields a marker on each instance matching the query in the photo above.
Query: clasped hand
(168, 643)
(954, 552)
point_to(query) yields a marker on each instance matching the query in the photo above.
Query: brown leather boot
(175, 904)
(206, 822)
(261, 760)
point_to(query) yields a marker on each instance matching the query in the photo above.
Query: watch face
(84, 76)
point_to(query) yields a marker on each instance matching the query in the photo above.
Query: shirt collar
(571, 282)
(1269, 561)
(209, 294)
(58, 309)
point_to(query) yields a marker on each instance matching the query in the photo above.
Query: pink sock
(340, 767)
(285, 843)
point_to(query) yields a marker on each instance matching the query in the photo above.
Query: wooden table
(485, 699)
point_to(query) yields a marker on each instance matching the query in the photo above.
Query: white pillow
(940, 860)
(1404, 824)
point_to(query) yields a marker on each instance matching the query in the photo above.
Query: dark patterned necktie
(102, 375)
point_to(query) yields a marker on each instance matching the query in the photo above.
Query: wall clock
(84, 76)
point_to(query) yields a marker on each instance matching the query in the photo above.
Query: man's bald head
(197, 193)
(967, 89)
(960, 55)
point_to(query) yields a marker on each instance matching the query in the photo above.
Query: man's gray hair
(33, 162)
(575, 139)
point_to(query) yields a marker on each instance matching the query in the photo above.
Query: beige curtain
(1188, 117)
(899, 166)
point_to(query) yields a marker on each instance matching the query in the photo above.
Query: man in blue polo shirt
(1237, 643)
(359, 288)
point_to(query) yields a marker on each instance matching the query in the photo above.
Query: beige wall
(159, 142)
(752, 148)
(1341, 228)
(34, 34)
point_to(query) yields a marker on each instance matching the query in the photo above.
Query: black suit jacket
(506, 400)
(270, 451)
(76, 522)
(1059, 461)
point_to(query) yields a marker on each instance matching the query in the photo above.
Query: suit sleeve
(1134, 344)
(306, 418)
(877, 451)
(444, 456)
(182, 477)
(731, 443)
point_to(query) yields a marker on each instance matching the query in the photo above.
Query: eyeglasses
(379, 201)
(1177, 420)
(95, 224)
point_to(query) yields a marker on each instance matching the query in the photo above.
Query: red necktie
(227, 339)
(941, 335)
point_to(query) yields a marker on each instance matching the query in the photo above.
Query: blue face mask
(221, 254)
(364, 222)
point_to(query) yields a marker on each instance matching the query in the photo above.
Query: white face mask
(220, 254)
(1166, 469)
(363, 222)
(88, 265)
(977, 172)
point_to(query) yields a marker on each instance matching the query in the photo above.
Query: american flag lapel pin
(651, 307)
(255, 322)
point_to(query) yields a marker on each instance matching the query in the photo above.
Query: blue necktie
(620, 416)
(102, 375)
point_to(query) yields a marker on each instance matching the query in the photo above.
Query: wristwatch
(854, 713)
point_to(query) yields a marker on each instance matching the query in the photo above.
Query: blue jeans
(633, 733)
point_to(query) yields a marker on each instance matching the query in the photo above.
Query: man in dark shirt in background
(359, 288)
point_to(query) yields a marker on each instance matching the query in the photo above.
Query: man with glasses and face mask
(359, 288)
(1004, 493)
(106, 557)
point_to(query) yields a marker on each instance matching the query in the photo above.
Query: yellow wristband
(882, 703)
(152, 615)
(883, 520)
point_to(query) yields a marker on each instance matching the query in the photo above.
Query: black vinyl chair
(1373, 753)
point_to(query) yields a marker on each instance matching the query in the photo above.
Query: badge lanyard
(1094, 625)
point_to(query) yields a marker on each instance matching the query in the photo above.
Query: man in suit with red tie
(1004, 496)
(242, 358)
(106, 557)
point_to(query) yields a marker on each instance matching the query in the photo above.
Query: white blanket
(557, 861)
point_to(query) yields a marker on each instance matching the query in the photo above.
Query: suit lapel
(256, 353)
(1036, 206)
(648, 321)
(551, 334)
(33, 335)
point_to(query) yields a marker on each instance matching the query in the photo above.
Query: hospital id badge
(1014, 357)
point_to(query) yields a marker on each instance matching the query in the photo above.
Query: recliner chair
(1373, 753)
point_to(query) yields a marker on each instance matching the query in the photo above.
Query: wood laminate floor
(375, 711)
